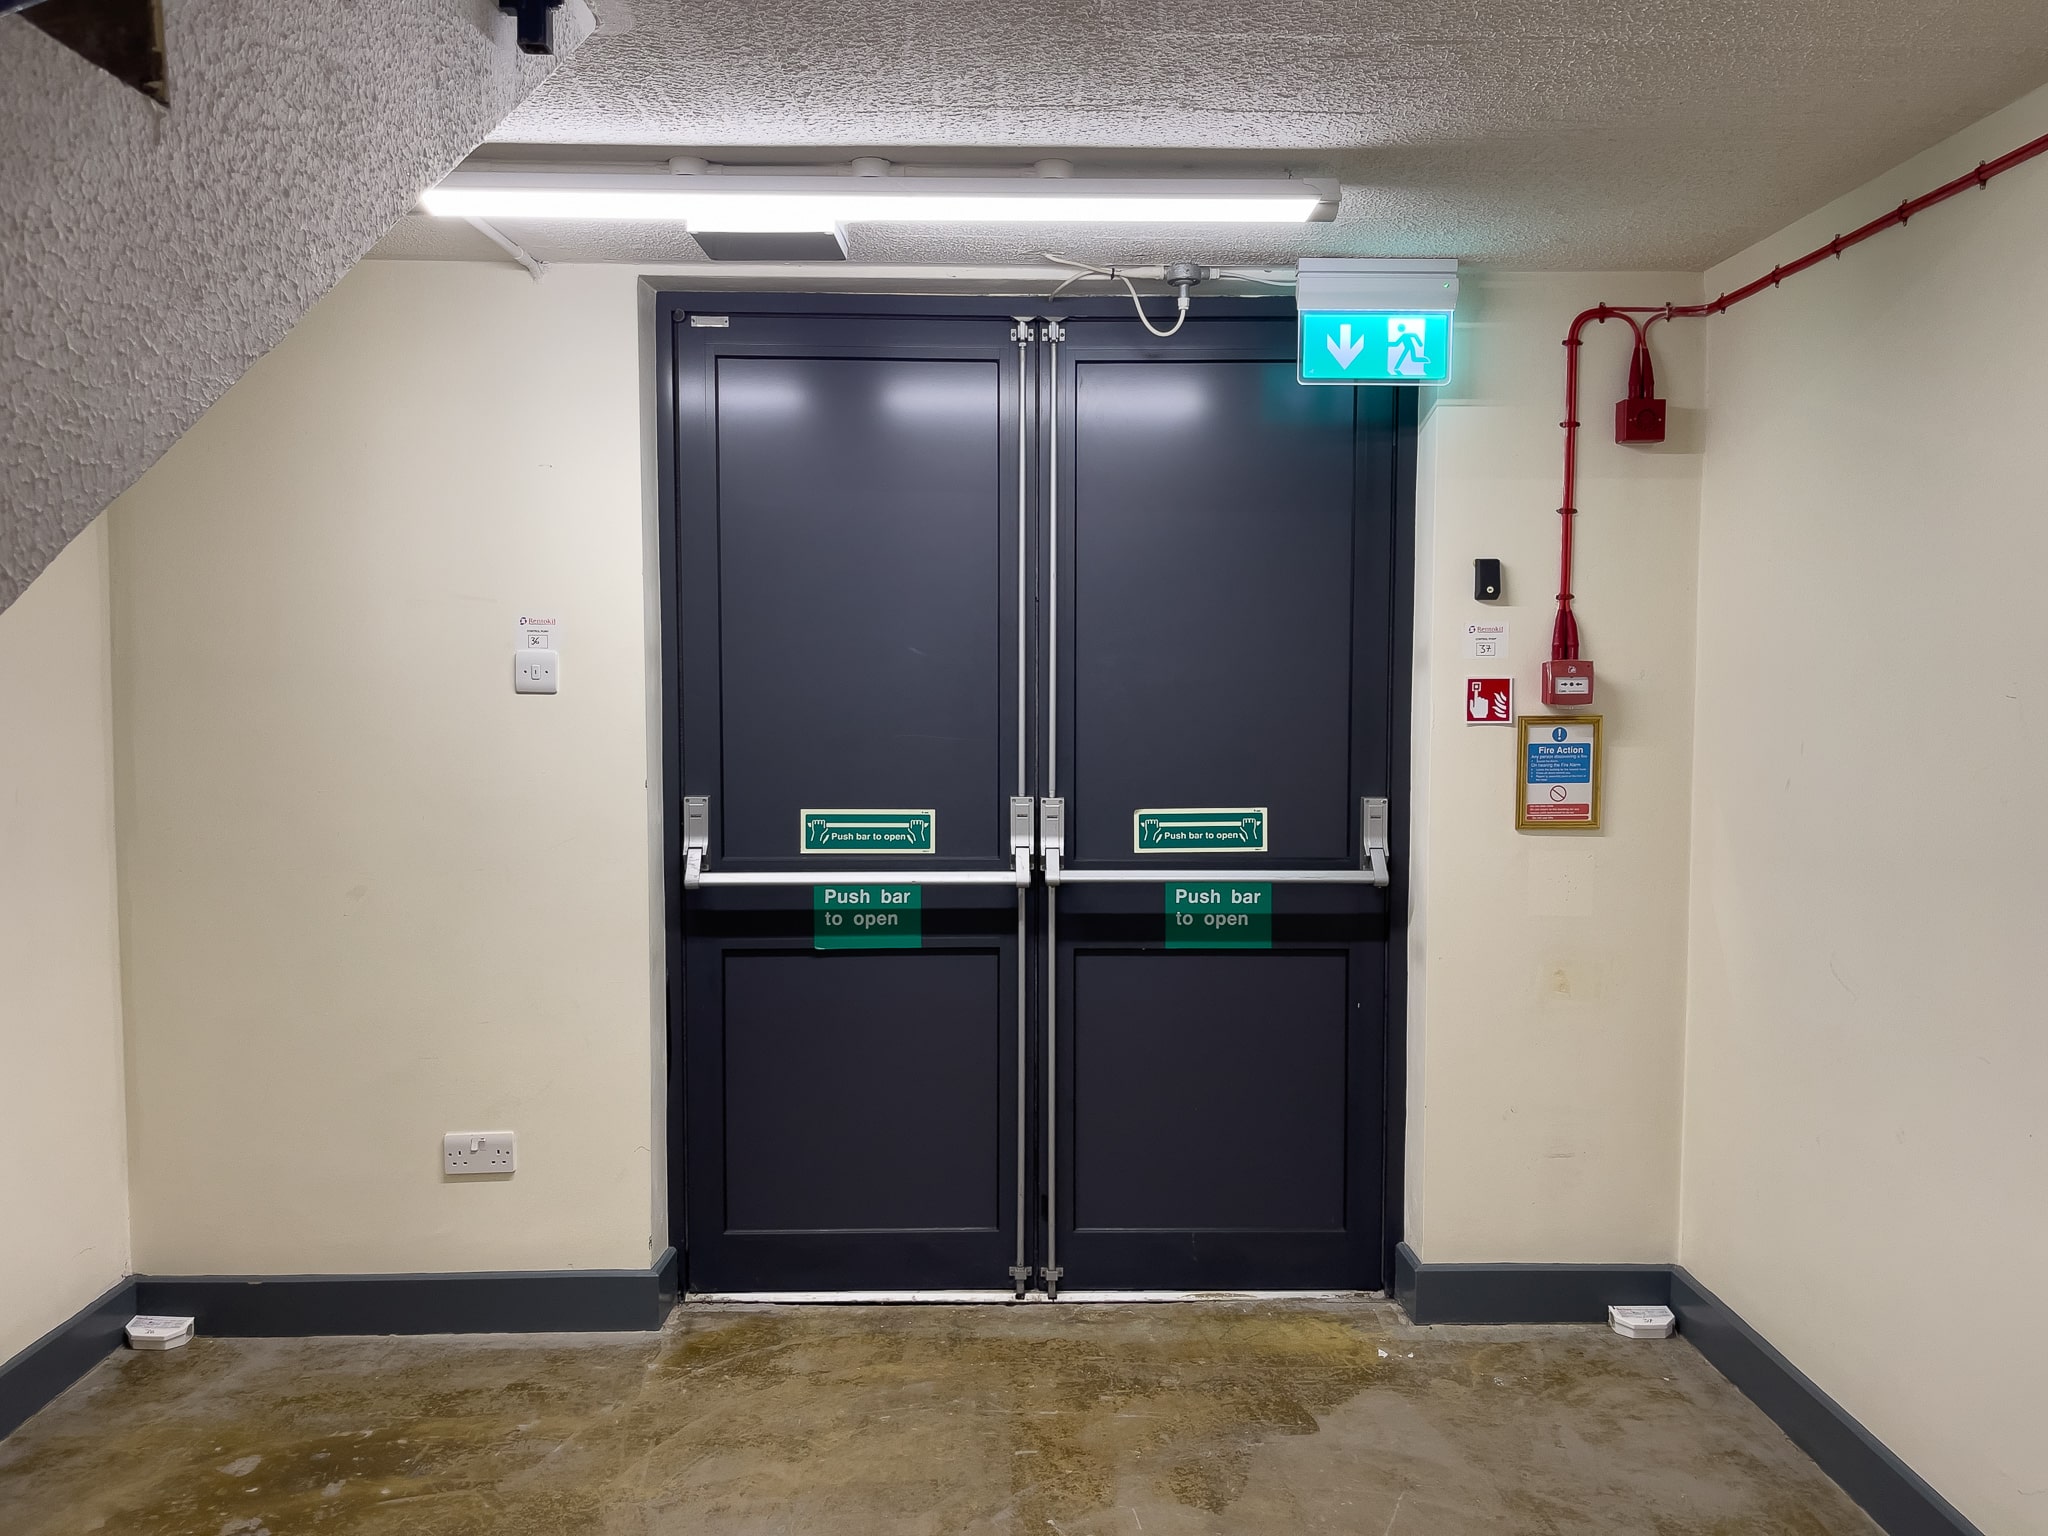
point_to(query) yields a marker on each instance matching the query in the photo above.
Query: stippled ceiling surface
(1658, 134)
(149, 255)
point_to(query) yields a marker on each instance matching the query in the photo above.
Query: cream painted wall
(63, 1140)
(345, 840)
(1867, 1062)
(1547, 969)
(371, 895)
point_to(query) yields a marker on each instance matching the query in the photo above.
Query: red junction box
(1638, 421)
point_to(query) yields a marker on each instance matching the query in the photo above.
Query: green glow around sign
(1375, 348)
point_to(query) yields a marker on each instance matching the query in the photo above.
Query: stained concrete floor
(1165, 1420)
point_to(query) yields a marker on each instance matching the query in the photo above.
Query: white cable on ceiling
(1160, 274)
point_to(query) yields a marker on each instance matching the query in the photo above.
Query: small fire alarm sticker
(1489, 701)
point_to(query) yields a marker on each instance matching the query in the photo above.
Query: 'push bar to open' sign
(867, 832)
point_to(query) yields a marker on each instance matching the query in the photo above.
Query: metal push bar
(1372, 859)
(697, 839)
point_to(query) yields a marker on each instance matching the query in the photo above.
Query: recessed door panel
(1213, 582)
(858, 1090)
(1209, 1092)
(859, 509)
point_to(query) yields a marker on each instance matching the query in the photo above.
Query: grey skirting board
(288, 1306)
(1891, 1493)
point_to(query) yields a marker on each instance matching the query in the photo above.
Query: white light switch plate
(534, 671)
(480, 1152)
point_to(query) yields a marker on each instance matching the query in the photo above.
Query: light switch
(534, 671)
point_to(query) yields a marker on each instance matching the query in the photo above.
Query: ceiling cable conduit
(1564, 634)
(1181, 276)
(504, 242)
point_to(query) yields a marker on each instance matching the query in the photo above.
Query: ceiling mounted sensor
(760, 200)
(536, 23)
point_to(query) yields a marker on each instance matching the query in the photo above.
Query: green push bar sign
(1200, 915)
(867, 917)
(867, 832)
(1375, 347)
(1198, 829)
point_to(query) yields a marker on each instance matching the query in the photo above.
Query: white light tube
(818, 203)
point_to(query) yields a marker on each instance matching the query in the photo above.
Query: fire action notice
(1560, 772)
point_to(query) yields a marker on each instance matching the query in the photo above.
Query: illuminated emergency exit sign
(1375, 347)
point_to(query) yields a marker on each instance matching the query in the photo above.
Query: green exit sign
(1375, 347)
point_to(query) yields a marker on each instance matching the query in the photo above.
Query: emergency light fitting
(750, 202)
(1374, 320)
(1416, 284)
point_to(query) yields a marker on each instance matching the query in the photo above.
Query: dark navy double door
(924, 559)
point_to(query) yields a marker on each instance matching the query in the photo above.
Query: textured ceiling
(148, 256)
(1647, 134)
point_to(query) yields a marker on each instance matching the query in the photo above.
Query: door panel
(1178, 1059)
(858, 566)
(846, 521)
(1225, 641)
(857, 1090)
(1213, 585)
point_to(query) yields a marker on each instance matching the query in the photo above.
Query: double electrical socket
(480, 1152)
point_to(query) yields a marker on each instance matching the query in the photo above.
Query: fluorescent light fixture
(801, 203)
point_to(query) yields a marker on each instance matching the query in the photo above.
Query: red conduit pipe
(1564, 634)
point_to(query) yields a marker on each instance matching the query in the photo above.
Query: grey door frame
(669, 310)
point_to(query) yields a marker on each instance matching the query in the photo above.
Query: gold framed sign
(1557, 773)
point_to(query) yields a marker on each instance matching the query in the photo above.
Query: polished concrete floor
(1138, 1420)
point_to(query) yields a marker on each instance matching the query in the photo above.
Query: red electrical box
(1638, 421)
(1567, 682)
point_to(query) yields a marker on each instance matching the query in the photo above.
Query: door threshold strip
(1007, 1298)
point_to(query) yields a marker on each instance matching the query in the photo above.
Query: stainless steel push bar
(697, 840)
(1372, 861)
